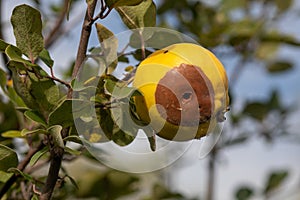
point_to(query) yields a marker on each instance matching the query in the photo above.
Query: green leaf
(35, 131)
(125, 129)
(14, 97)
(46, 58)
(12, 134)
(141, 15)
(8, 158)
(35, 116)
(68, 111)
(73, 138)
(38, 155)
(24, 175)
(55, 132)
(27, 25)
(72, 151)
(38, 92)
(122, 138)
(3, 45)
(4, 176)
(15, 54)
(275, 180)
(3, 80)
(280, 66)
(257, 110)
(117, 3)
(109, 44)
(243, 193)
(117, 89)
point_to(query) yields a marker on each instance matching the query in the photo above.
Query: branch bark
(57, 152)
(84, 38)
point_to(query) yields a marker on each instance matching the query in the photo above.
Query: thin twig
(84, 38)
(60, 81)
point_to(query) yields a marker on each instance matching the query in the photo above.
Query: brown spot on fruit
(185, 96)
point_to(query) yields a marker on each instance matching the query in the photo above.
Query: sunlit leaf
(142, 15)
(3, 45)
(15, 54)
(8, 158)
(12, 134)
(32, 132)
(24, 175)
(55, 132)
(27, 25)
(109, 44)
(38, 155)
(117, 89)
(35, 116)
(46, 58)
(4, 176)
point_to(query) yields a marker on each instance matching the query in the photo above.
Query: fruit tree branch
(56, 151)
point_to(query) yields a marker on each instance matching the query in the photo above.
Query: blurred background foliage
(248, 31)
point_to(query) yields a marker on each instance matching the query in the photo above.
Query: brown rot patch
(185, 96)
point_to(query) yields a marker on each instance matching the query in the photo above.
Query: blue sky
(248, 164)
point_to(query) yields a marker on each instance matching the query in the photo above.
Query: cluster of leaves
(51, 106)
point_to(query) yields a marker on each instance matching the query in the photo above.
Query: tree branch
(84, 38)
(54, 33)
(57, 152)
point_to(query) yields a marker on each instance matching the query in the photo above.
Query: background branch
(55, 32)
